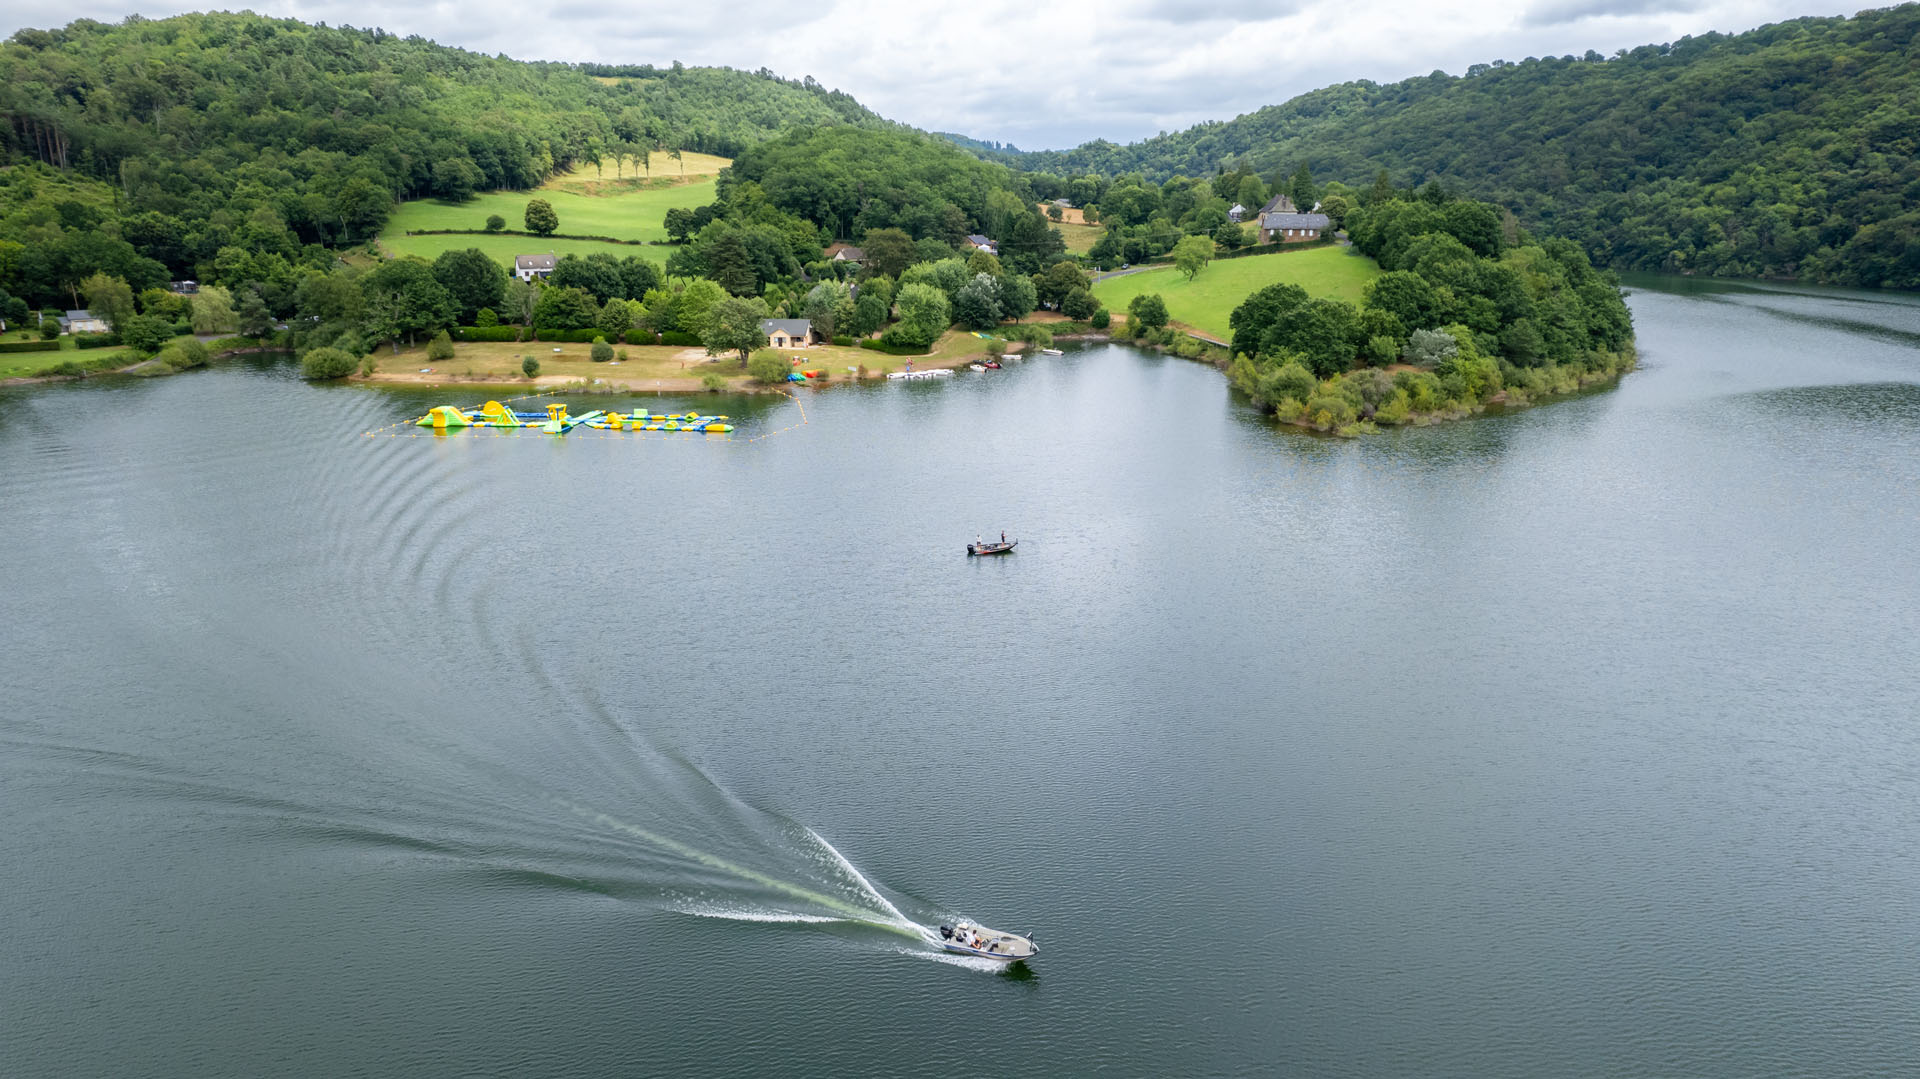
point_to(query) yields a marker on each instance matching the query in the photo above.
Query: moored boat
(966, 938)
(1052, 352)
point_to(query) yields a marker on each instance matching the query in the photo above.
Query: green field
(629, 215)
(1206, 302)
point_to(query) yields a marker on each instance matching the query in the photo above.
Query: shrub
(486, 316)
(576, 337)
(601, 352)
(441, 347)
(29, 346)
(996, 348)
(1100, 319)
(326, 363)
(641, 337)
(843, 340)
(49, 329)
(713, 383)
(368, 365)
(1146, 311)
(894, 349)
(621, 355)
(529, 367)
(495, 222)
(767, 367)
(95, 340)
(182, 355)
(679, 337)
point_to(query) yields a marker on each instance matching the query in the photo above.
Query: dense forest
(1792, 150)
(271, 139)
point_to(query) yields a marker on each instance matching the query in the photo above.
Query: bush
(326, 363)
(767, 367)
(713, 383)
(1146, 311)
(486, 333)
(996, 348)
(95, 340)
(1101, 319)
(843, 340)
(681, 338)
(641, 337)
(441, 347)
(183, 355)
(529, 367)
(601, 352)
(486, 316)
(576, 337)
(495, 222)
(29, 346)
(49, 329)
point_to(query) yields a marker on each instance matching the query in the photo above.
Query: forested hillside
(1792, 150)
(279, 138)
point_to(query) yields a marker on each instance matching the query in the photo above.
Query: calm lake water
(1583, 740)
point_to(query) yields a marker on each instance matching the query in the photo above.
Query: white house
(82, 322)
(528, 267)
(787, 332)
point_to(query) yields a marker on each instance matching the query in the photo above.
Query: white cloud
(1037, 76)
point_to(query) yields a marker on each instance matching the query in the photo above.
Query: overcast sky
(1036, 75)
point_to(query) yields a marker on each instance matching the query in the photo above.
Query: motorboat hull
(992, 548)
(980, 942)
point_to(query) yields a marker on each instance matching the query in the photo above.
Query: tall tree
(733, 325)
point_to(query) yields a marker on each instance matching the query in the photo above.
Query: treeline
(1471, 304)
(224, 135)
(849, 181)
(1792, 150)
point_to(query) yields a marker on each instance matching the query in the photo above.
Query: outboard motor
(946, 932)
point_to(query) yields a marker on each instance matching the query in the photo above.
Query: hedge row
(486, 333)
(29, 346)
(95, 340)
(677, 337)
(642, 337)
(894, 350)
(535, 236)
(843, 340)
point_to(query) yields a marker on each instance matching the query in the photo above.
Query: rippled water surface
(1583, 740)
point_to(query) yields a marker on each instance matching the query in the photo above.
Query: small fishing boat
(1003, 547)
(992, 365)
(966, 938)
(1053, 352)
(976, 367)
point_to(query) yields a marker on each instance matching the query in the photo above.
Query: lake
(1579, 740)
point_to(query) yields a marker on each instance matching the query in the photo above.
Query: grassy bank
(1206, 302)
(624, 213)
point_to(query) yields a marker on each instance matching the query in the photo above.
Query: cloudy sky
(1036, 75)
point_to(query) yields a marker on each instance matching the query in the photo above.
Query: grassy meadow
(1206, 302)
(588, 205)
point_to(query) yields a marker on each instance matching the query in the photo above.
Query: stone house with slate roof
(1282, 222)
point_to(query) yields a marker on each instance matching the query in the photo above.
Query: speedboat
(966, 938)
(1003, 547)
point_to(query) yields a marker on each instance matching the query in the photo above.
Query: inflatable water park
(556, 421)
